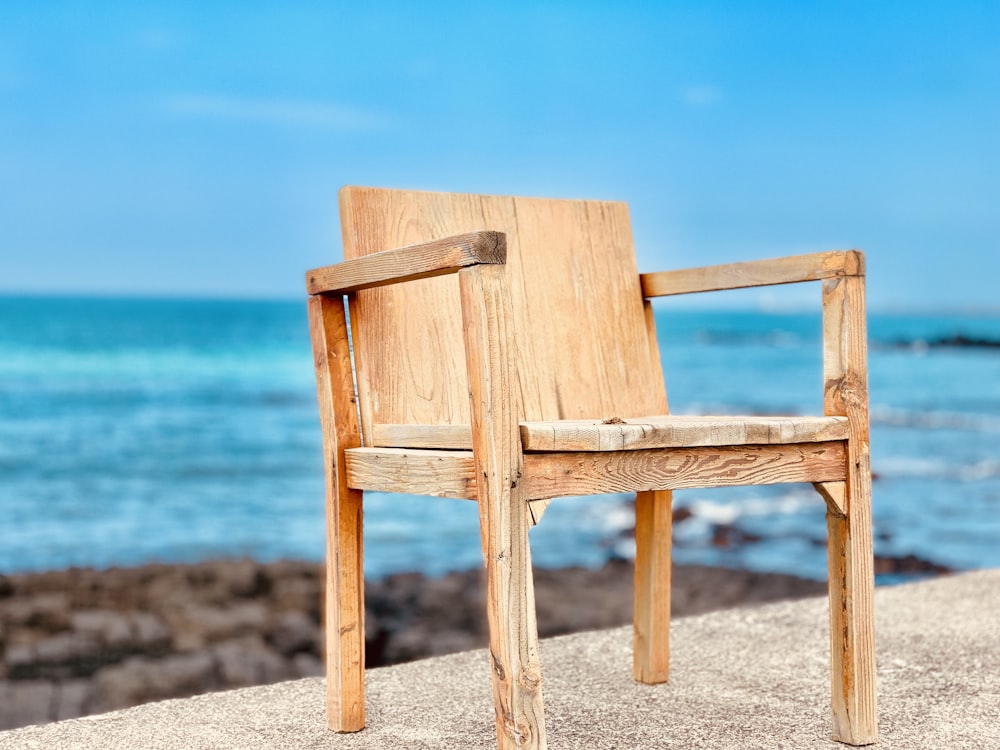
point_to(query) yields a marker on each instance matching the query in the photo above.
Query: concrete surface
(744, 678)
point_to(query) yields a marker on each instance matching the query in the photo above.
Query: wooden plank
(834, 494)
(852, 630)
(421, 261)
(361, 380)
(570, 266)
(789, 270)
(345, 606)
(440, 473)
(654, 354)
(678, 431)
(651, 614)
(495, 405)
(561, 474)
(447, 436)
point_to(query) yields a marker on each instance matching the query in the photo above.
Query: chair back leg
(651, 609)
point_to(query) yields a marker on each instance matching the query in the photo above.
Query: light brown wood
(446, 436)
(678, 431)
(494, 394)
(651, 614)
(834, 494)
(345, 606)
(438, 473)
(789, 270)
(570, 267)
(562, 474)
(852, 635)
(654, 354)
(395, 265)
(554, 352)
(452, 473)
(631, 434)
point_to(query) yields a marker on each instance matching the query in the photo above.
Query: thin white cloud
(701, 96)
(286, 112)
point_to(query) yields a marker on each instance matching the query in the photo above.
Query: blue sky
(197, 148)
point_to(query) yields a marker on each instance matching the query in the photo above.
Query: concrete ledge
(744, 678)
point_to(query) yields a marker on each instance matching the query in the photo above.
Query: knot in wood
(530, 679)
(520, 733)
(498, 667)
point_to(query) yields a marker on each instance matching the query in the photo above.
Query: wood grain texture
(439, 473)
(504, 515)
(851, 564)
(570, 267)
(834, 494)
(396, 265)
(789, 270)
(651, 609)
(447, 436)
(561, 474)
(631, 434)
(678, 431)
(345, 606)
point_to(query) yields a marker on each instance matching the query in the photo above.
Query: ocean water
(173, 430)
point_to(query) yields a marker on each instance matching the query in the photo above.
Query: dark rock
(249, 661)
(907, 565)
(25, 702)
(307, 665)
(44, 611)
(295, 632)
(140, 679)
(71, 699)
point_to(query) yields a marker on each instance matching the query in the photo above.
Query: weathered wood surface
(504, 517)
(345, 606)
(631, 434)
(548, 475)
(561, 474)
(678, 431)
(440, 473)
(651, 607)
(395, 265)
(575, 296)
(834, 494)
(852, 630)
(789, 270)
(446, 436)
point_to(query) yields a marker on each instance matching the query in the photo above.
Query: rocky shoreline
(83, 641)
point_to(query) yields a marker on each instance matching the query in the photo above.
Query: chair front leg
(345, 604)
(851, 563)
(852, 635)
(495, 401)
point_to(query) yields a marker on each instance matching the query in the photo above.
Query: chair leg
(651, 613)
(852, 631)
(345, 605)
(514, 657)
(345, 608)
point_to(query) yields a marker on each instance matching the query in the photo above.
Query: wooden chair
(505, 352)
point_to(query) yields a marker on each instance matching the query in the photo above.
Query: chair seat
(678, 432)
(566, 436)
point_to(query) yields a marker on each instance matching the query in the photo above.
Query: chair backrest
(586, 348)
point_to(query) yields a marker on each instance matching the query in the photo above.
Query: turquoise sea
(176, 430)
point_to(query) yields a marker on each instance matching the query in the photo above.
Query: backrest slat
(582, 345)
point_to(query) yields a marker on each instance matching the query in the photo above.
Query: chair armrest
(790, 270)
(433, 258)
